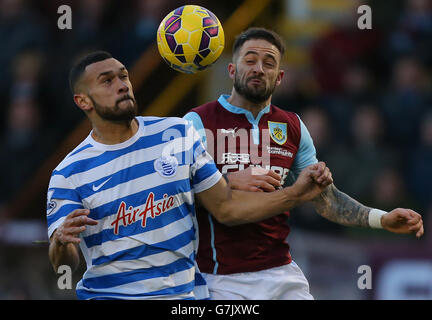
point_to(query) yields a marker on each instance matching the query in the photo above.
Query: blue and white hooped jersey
(141, 192)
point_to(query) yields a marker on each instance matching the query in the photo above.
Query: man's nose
(258, 68)
(123, 87)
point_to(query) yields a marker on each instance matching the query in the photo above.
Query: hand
(403, 221)
(255, 179)
(312, 181)
(72, 226)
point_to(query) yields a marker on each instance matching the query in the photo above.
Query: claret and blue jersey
(141, 192)
(289, 148)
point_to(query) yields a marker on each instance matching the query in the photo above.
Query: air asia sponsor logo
(152, 209)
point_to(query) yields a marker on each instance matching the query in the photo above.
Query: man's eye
(107, 81)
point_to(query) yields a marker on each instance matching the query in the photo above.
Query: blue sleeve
(62, 199)
(204, 173)
(198, 125)
(306, 154)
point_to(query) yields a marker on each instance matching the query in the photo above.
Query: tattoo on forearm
(338, 207)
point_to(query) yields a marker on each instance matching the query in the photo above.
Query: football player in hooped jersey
(245, 131)
(125, 195)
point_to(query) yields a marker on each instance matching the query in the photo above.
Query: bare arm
(63, 254)
(254, 179)
(338, 207)
(63, 249)
(233, 207)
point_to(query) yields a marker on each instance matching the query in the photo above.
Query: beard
(115, 113)
(253, 94)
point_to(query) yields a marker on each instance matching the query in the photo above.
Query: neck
(239, 101)
(109, 132)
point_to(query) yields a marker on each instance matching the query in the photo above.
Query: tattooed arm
(338, 207)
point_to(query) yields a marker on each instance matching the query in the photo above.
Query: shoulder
(159, 125)
(165, 121)
(81, 152)
(61, 176)
(294, 125)
(164, 129)
(287, 115)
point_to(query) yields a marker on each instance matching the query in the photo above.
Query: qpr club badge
(166, 166)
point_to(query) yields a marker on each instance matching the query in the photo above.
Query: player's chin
(257, 87)
(127, 103)
(128, 106)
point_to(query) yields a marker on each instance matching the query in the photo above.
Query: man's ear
(280, 77)
(83, 102)
(231, 70)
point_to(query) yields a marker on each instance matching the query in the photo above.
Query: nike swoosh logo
(232, 131)
(96, 188)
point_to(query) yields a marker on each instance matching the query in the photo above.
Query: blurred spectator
(367, 127)
(24, 145)
(90, 31)
(388, 191)
(88, 28)
(20, 29)
(317, 122)
(137, 30)
(405, 101)
(26, 67)
(354, 167)
(419, 173)
(296, 91)
(21, 150)
(343, 46)
(413, 34)
(357, 89)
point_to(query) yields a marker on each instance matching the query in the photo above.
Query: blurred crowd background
(365, 96)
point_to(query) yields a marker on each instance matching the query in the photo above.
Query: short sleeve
(204, 173)
(62, 199)
(306, 154)
(198, 125)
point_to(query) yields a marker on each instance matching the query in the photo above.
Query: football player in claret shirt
(253, 261)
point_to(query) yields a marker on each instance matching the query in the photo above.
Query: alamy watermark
(64, 282)
(365, 20)
(365, 280)
(65, 20)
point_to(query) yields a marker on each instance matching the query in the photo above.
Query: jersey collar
(124, 144)
(223, 100)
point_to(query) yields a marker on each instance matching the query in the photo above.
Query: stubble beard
(255, 95)
(116, 113)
